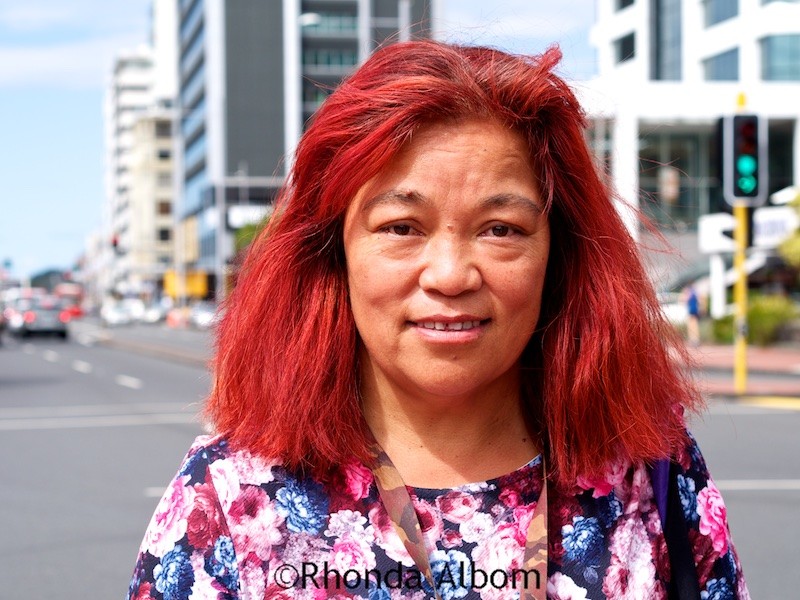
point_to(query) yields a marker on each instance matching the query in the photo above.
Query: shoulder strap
(683, 583)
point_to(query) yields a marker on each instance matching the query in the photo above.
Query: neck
(447, 442)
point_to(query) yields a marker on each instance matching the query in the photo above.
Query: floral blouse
(234, 526)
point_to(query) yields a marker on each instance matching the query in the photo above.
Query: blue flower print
(609, 509)
(583, 540)
(174, 575)
(451, 570)
(221, 564)
(378, 592)
(303, 504)
(686, 491)
(717, 589)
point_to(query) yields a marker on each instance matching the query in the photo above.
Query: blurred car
(155, 313)
(113, 314)
(203, 315)
(40, 316)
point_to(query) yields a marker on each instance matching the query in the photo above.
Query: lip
(449, 328)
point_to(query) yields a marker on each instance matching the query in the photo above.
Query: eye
(499, 231)
(398, 229)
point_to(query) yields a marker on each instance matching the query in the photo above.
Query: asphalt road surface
(91, 434)
(89, 439)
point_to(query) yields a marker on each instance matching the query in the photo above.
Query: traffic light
(744, 159)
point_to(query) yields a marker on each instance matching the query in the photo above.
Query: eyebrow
(412, 198)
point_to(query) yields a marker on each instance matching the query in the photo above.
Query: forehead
(467, 156)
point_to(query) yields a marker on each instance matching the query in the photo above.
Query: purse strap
(400, 508)
(683, 583)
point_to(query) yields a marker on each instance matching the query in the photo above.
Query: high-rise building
(251, 73)
(136, 232)
(668, 69)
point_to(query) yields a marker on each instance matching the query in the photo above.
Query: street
(92, 432)
(91, 437)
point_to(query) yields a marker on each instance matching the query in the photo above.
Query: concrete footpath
(773, 371)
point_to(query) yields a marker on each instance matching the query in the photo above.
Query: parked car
(203, 315)
(113, 314)
(39, 316)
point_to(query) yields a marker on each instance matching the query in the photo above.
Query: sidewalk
(771, 371)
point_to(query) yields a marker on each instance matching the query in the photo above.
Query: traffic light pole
(740, 297)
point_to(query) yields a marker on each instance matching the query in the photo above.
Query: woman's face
(446, 255)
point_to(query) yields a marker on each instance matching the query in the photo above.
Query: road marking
(29, 349)
(50, 356)
(81, 366)
(758, 484)
(779, 402)
(82, 410)
(128, 382)
(96, 421)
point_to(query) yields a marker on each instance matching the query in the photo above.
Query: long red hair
(600, 377)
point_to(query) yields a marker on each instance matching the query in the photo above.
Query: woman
(445, 312)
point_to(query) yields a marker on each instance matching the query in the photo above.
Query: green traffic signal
(746, 164)
(747, 184)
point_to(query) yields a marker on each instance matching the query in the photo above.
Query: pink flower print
(500, 551)
(429, 520)
(387, 537)
(562, 587)
(169, 521)
(603, 484)
(349, 553)
(258, 532)
(204, 524)
(457, 506)
(631, 573)
(357, 479)
(451, 539)
(713, 517)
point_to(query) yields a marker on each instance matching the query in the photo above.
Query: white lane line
(743, 409)
(758, 484)
(50, 356)
(96, 421)
(81, 366)
(82, 410)
(128, 382)
(153, 492)
(29, 349)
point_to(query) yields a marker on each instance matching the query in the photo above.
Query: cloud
(33, 17)
(513, 20)
(76, 65)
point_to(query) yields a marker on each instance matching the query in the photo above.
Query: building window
(163, 129)
(722, 67)
(624, 48)
(164, 235)
(164, 154)
(667, 44)
(620, 4)
(780, 58)
(717, 11)
(165, 207)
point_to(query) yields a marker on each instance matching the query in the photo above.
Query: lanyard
(400, 509)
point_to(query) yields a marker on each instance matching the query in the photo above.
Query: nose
(450, 267)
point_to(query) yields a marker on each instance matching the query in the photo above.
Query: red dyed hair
(600, 380)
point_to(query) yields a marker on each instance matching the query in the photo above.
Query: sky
(55, 57)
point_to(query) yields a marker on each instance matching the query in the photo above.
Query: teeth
(459, 326)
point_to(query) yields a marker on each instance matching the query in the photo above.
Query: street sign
(715, 233)
(773, 224)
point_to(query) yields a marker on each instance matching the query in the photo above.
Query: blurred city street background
(94, 428)
(142, 145)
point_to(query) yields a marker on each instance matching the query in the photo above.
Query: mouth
(450, 324)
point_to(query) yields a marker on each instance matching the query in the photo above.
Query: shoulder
(212, 459)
